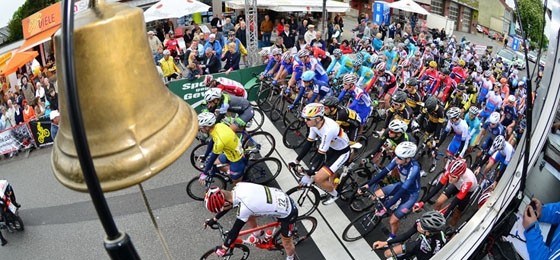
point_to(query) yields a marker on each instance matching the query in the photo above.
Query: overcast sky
(7, 9)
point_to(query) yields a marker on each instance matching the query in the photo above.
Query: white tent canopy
(409, 6)
(293, 5)
(173, 9)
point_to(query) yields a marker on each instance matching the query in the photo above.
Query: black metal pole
(118, 245)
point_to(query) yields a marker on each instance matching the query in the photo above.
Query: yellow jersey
(226, 142)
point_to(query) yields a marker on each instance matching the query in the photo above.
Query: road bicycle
(303, 228)
(261, 171)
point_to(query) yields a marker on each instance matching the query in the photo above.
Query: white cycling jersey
(467, 181)
(331, 134)
(258, 200)
(505, 153)
(461, 129)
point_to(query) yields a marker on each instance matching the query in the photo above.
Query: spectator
(239, 48)
(55, 118)
(293, 25)
(279, 44)
(192, 66)
(40, 91)
(40, 109)
(280, 27)
(333, 45)
(549, 213)
(302, 28)
(188, 36)
(288, 36)
(318, 42)
(222, 23)
(219, 36)
(300, 44)
(172, 45)
(214, 44)
(228, 26)
(310, 34)
(192, 49)
(211, 64)
(241, 33)
(3, 118)
(154, 42)
(10, 120)
(18, 114)
(27, 89)
(337, 33)
(158, 55)
(360, 28)
(168, 66)
(231, 58)
(28, 112)
(215, 22)
(266, 30)
(338, 20)
(345, 47)
(53, 99)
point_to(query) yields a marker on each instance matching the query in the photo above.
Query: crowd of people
(424, 86)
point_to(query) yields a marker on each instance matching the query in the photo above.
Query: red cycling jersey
(231, 86)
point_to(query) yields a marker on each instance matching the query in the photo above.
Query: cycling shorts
(499, 157)
(236, 169)
(486, 143)
(242, 119)
(454, 146)
(363, 112)
(450, 191)
(473, 140)
(336, 159)
(407, 200)
(287, 223)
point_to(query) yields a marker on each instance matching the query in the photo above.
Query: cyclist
(387, 79)
(407, 190)
(345, 64)
(509, 115)
(474, 126)
(224, 103)
(493, 127)
(286, 67)
(413, 98)
(363, 73)
(396, 135)
(485, 87)
(347, 118)
(312, 64)
(398, 110)
(228, 85)
(464, 184)
(502, 152)
(223, 146)
(361, 102)
(252, 200)
(446, 85)
(459, 73)
(432, 75)
(334, 150)
(435, 114)
(431, 239)
(273, 64)
(518, 132)
(461, 138)
(320, 89)
(459, 98)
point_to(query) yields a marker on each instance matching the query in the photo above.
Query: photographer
(536, 245)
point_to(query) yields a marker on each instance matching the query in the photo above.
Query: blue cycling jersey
(510, 114)
(409, 175)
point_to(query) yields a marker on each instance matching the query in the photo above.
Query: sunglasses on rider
(400, 158)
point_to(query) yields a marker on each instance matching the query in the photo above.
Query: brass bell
(135, 127)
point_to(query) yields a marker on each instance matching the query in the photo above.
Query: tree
(28, 8)
(532, 20)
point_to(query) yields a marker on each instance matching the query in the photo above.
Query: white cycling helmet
(454, 112)
(313, 110)
(406, 150)
(349, 78)
(276, 51)
(373, 58)
(303, 53)
(498, 143)
(398, 126)
(264, 53)
(494, 118)
(511, 98)
(206, 119)
(474, 110)
(381, 66)
(212, 94)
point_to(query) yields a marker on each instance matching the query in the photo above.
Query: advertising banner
(7, 142)
(381, 12)
(15, 138)
(41, 131)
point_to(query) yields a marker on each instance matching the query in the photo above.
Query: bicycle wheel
(253, 92)
(348, 188)
(277, 108)
(264, 98)
(433, 182)
(257, 122)
(306, 198)
(239, 251)
(197, 156)
(290, 116)
(263, 170)
(468, 159)
(360, 203)
(361, 226)
(196, 191)
(295, 134)
(259, 145)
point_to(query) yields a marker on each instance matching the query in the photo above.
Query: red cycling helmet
(457, 167)
(214, 199)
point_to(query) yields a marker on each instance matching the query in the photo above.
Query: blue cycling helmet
(308, 75)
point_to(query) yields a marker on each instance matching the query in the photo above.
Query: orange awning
(17, 61)
(38, 39)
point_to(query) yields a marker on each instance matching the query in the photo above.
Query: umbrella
(19, 59)
(409, 6)
(173, 9)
